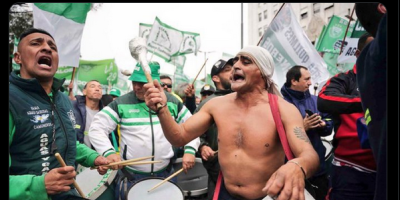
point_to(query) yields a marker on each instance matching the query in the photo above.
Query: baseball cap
(115, 92)
(207, 89)
(138, 73)
(219, 66)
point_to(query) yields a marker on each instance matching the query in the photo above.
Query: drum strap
(127, 174)
(218, 186)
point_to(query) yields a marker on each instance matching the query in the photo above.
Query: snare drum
(94, 185)
(168, 190)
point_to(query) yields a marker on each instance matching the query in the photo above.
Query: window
(328, 6)
(259, 17)
(265, 27)
(316, 7)
(275, 11)
(265, 14)
(304, 15)
(260, 32)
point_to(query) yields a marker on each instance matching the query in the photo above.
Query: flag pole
(72, 80)
(199, 71)
(271, 21)
(348, 25)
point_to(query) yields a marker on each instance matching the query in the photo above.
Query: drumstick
(128, 163)
(62, 163)
(131, 160)
(125, 161)
(165, 180)
(215, 152)
(141, 163)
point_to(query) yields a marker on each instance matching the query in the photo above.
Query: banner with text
(289, 46)
(348, 53)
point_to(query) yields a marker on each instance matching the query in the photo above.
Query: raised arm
(177, 134)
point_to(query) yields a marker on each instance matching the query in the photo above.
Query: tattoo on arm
(301, 134)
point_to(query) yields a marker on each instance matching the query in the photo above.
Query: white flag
(144, 30)
(190, 44)
(289, 45)
(164, 40)
(65, 22)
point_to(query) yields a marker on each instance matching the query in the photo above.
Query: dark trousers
(224, 194)
(351, 184)
(320, 185)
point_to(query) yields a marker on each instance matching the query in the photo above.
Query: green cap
(115, 92)
(138, 74)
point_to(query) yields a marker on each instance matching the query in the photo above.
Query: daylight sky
(108, 31)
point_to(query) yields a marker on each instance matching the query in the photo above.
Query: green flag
(104, 71)
(331, 38)
(358, 30)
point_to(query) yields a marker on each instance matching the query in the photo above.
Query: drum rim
(111, 174)
(331, 151)
(146, 178)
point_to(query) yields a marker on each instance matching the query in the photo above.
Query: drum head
(168, 190)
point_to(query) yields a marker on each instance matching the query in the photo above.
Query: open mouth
(45, 61)
(237, 77)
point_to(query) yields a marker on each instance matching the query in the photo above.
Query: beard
(226, 84)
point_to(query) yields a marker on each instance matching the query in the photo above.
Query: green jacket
(33, 116)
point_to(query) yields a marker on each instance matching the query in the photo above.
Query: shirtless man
(250, 153)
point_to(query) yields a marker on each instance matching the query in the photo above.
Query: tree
(20, 18)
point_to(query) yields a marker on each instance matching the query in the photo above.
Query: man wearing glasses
(166, 83)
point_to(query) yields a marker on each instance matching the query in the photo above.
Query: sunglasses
(168, 85)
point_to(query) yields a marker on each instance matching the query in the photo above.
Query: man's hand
(188, 161)
(207, 153)
(189, 91)
(114, 158)
(311, 122)
(286, 183)
(154, 95)
(100, 160)
(59, 180)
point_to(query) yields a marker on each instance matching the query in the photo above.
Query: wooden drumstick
(62, 163)
(129, 163)
(165, 180)
(123, 162)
